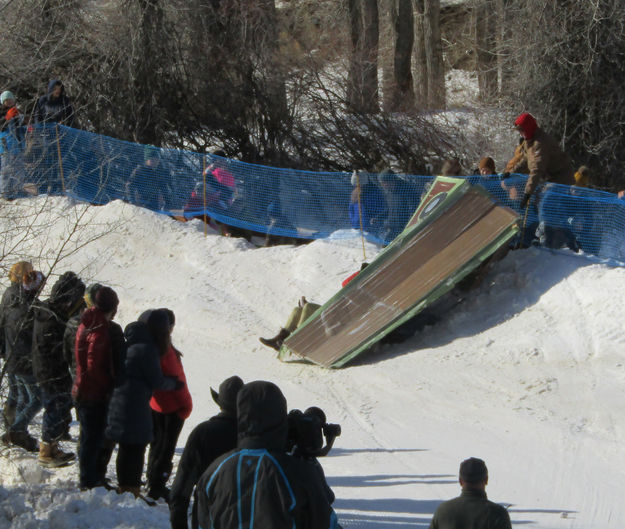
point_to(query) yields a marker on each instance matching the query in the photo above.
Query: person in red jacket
(169, 411)
(93, 385)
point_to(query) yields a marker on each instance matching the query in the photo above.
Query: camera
(307, 431)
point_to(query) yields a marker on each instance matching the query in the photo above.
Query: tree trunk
(484, 26)
(362, 90)
(434, 54)
(401, 97)
(504, 51)
(420, 66)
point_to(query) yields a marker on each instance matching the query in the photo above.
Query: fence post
(362, 235)
(58, 147)
(204, 193)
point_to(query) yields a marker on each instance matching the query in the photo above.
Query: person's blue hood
(53, 83)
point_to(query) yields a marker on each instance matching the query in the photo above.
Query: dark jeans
(130, 464)
(56, 408)
(11, 400)
(94, 450)
(167, 427)
(28, 402)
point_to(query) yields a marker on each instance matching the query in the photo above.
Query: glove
(526, 199)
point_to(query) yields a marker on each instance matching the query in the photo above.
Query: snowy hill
(527, 373)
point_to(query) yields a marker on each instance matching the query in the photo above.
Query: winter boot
(23, 440)
(158, 491)
(134, 490)
(51, 456)
(276, 341)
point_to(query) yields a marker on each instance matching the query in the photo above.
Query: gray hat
(473, 470)
(226, 399)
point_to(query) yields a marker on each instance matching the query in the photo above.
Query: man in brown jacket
(542, 156)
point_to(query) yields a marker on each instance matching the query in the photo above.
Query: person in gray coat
(129, 416)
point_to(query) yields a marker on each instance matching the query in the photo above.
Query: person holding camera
(259, 484)
(208, 440)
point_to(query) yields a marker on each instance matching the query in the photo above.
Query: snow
(527, 373)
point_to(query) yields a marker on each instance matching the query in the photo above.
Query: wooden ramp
(455, 229)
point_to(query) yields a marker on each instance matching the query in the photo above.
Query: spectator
(93, 385)
(12, 167)
(55, 106)
(169, 411)
(71, 328)
(399, 208)
(472, 509)
(486, 166)
(272, 489)
(451, 167)
(366, 195)
(582, 177)
(129, 415)
(50, 367)
(17, 322)
(208, 440)
(145, 185)
(17, 272)
(220, 186)
(542, 156)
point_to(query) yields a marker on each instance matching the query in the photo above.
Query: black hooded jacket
(54, 110)
(16, 322)
(49, 364)
(258, 484)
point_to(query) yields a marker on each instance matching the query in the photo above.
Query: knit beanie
(527, 124)
(106, 299)
(18, 270)
(7, 94)
(487, 163)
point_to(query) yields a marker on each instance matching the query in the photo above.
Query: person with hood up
(472, 509)
(129, 421)
(258, 484)
(169, 411)
(17, 322)
(542, 156)
(93, 385)
(50, 367)
(55, 106)
(208, 440)
(16, 273)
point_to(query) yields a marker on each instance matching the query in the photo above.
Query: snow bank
(527, 373)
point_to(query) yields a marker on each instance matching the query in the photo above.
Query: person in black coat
(129, 415)
(49, 365)
(207, 441)
(55, 106)
(17, 322)
(258, 483)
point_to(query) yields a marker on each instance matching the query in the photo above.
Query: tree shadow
(502, 295)
(338, 452)
(386, 480)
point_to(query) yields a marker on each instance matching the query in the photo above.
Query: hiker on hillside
(208, 440)
(55, 106)
(16, 274)
(129, 421)
(17, 320)
(542, 157)
(169, 411)
(258, 483)
(472, 509)
(93, 385)
(50, 367)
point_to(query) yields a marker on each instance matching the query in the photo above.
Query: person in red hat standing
(541, 155)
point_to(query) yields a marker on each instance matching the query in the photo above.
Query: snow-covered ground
(527, 373)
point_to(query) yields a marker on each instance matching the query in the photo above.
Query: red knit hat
(527, 124)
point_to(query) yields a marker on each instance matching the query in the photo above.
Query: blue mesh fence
(285, 202)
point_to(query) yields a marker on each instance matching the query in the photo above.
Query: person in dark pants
(93, 385)
(16, 274)
(55, 106)
(207, 441)
(50, 367)
(169, 411)
(258, 484)
(129, 416)
(472, 509)
(17, 321)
